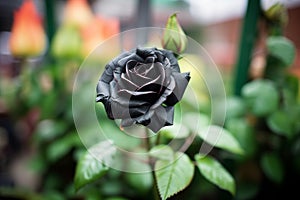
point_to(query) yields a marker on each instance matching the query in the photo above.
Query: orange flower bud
(77, 13)
(98, 30)
(27, 36)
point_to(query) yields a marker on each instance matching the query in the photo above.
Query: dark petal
(117, 75)
(145, 52)
(113, 89)
(172, 59)
(142, 69)
(160, 56)
(138, 111)
(135, 103)
(158, 118)
(130, 65)
(124, 60)
(138, 96)
(166, 92)
(181, 80)
(139, 79)
(151, 71)
(111, 107)
(102, 91)
(156, 69)
(170, 115)
(150, 59)
(153, 85)
(125, 83)
(135, 77)
(157, 83)
(107, 75)
(115, 110)
(134, 93)
(145, 119)
(127, 122)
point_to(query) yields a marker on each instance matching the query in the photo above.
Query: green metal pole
(50, 18)
(248, 36)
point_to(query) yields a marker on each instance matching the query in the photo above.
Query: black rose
(142, 86)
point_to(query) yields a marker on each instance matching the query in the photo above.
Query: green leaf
(214, 172)
(124, 141)
(280, 123)
(272, 167)
(202, 121)
(116, 198)
(62, 146)
(235, 107)
(141, 182)
(49, 129)
(243, 132)
(261, 97)
(174, 175)
(219, 137)
(174, 38)
(163, 152)
(281, 48)
(177, 131)
(90, 168)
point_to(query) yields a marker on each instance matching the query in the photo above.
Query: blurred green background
(43, 43)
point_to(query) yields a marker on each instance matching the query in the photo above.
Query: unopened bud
(174, 38)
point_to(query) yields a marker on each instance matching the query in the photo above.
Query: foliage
(258, 145)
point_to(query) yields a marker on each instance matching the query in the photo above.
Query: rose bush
(142, 86)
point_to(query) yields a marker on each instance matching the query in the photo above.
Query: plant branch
(151, 162)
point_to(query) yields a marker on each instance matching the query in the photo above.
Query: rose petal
(127, 122)
(156, 69)
(172, 59)
(155, 83)
(145, 52)
(124, 60)
(138, 111)
(136, 98)
(181, 80)
(136, 78)
(115, 110)
(158, 118)
(136, 84)
(135, 93)
(107, 75)
(150, 59)
(102, 91)
(126, 83)
(167, 91)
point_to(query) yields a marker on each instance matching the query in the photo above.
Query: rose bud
(77, 13)
(277, 14)
(141, 87)
(27, 36)
(96, 31)
(66, 42)
(174, 38)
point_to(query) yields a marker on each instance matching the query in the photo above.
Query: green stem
(247, 40)
(149, 146)
(50, 18)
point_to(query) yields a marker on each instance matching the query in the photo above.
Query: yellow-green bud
(278, 14)
(174, 38)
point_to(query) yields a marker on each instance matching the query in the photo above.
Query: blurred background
(215, 25)
(43, 42)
